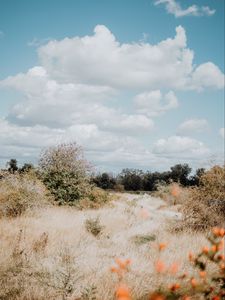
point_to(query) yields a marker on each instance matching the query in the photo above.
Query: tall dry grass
(51, 254)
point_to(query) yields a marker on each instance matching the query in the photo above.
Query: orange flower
(191, 256)
(160, 266)
(174, 287)
(216, 298)
(174, 268)
(175, 191)
(186, 298)
(157, 297)
(222, 266)
(221, 245)
(193, 282)
(123, 264)
(205, 250)
(123, 293)
(214, 248)
(222, 232)
(216, 231)
(202, 274)
(114, 270)
(162, 246)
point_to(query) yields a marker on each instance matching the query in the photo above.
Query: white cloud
(207, 75)
(221, 133)
(173, 7)
(101, 60)
(1, 34)
(180, 146)
(193, 126)
(153, 103)
(75, 93)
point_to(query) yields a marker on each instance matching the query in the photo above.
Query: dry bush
(172, 194)
(96, 198)
(206, 204)
(21, 192)
(65, 172)
(93, 226)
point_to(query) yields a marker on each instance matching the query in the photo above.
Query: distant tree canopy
(67, 174)
(12, 165)
(138, 180)
(104, 181)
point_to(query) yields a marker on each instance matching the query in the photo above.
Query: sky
(136, 83)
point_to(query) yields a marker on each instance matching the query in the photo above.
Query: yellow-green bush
(205, 206)
(19, 193)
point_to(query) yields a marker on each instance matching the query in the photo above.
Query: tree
(26, 168)
(12, 165)
(131, 179)
(180, 173)
(65, 172)
(104, 181)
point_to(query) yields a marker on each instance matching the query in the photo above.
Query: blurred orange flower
(123, 264)
(157, 297)
(160, 266)
(202, 274)
(123, 293)
(205, 250)
(175, 190)
(194, 282)
(174, 268)
(174, 287)
(162, 246)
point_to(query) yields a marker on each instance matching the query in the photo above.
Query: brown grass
(51, 255)
(21, 192)
(205, 206)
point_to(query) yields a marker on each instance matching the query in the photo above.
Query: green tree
(65, 172)
(180, 173)
(12, 165)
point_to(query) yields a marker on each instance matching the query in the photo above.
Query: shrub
(19, 193)
(93, 226)
(206, 204)
(65, 172)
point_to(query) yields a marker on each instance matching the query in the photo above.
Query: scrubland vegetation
(64, 236)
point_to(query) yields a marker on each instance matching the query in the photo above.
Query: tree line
(133, 179)
(138, 180)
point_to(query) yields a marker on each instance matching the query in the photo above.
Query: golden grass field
(49, 254)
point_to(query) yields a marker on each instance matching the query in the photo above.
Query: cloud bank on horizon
(76, 93)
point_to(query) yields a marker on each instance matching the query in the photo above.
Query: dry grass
(21, 192)
(205, 206)
(51, 255)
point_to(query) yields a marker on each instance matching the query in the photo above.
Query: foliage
(19, 193)
(12, 165)
(179, 173)
(65, 172)
(184, 286)
(104, 181)
(206, 204)
(93, 226)
(131, 179)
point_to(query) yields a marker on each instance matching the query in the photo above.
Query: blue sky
(127, 94)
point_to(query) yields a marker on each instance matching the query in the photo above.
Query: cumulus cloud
(100, 59)
(173, 7)
(75, 92)
(154, 103)
(180, 146)
(193, 126)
